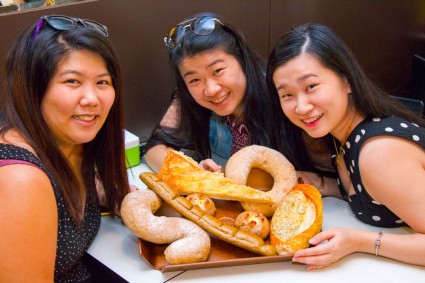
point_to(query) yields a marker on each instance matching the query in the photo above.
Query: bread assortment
(295, 213)
(227, 233)
(297, 219)
(189, 242)
(271, 161)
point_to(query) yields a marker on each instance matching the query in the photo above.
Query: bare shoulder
(392, 171)
(29, 222)
(26, 184)
(384, 152)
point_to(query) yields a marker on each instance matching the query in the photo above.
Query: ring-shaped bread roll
(271, 161)
(189, 242)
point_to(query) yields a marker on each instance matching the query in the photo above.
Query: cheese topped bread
(182, 174)
(297, 219)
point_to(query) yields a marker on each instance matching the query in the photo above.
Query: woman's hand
(210, 165)
(329, 247)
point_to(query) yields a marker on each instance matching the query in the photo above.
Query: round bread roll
(297, 219)
(189, 242)
(271, 161)
(253, 222)
(204, 202)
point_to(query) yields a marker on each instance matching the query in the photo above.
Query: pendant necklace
(340, 151)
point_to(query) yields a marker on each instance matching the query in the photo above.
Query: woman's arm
(392, 171)
(155, 156)
(29, 222)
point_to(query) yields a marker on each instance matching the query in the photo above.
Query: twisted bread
(273, 162)
(189, 243)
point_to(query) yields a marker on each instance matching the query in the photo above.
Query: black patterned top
(72, 243)
(365, 208)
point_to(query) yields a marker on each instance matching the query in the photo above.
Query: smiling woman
(220, 104)
(61, 148)
(378, 144)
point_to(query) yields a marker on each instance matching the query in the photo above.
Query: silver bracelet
(378, 241)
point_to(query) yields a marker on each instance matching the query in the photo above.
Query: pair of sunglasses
(68, 23)
(199, 26)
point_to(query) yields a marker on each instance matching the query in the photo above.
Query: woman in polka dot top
(61, 143)
(378, 144)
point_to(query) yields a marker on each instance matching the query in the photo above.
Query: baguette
(185, 177)
(227, 233)
(297, 219)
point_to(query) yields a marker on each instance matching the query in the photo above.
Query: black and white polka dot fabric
(364, 207)
(72, 243)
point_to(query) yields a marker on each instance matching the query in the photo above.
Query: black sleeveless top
(72, 243)
(364, 207)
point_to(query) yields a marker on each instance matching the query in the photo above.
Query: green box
(132, 149)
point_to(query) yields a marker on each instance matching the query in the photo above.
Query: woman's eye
(217, 71)
(285, 96)
(310, 87)
(104, 82)
(192, 81)
(71, 81)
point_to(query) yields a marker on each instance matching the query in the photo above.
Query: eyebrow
(300, 79)
(74, 72)
(208, 66)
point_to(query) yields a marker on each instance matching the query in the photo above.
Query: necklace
(340, 151)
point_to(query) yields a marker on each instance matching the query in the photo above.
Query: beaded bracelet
(378, 241)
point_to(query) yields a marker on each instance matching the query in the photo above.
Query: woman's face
(78, 99)
(312, 96)
(216, 81)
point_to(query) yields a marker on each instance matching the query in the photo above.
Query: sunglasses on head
(68, 23)
(199, 26)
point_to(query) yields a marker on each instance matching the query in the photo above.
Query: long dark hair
(194, 119)
(31, 64)
(320, 41)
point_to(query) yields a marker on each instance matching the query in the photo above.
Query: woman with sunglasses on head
(378, 144)
(61, 148)
(220, 101)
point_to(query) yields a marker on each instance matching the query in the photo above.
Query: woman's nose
(89, 97)
(303, 105)
(211, 88)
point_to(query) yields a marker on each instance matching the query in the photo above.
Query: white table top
(117, 248)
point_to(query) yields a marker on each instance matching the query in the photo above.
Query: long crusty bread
(183, 174)
(227, 233)
(298, 218)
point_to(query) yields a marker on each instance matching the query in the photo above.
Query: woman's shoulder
(388, 126)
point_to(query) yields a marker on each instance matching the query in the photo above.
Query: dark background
(383, 34)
